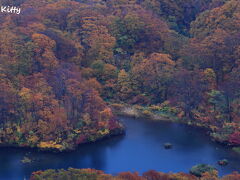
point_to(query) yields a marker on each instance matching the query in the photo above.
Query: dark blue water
(140, 150)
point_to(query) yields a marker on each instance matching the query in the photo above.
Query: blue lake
(141, 149)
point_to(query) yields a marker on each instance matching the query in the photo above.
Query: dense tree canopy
(62, 60)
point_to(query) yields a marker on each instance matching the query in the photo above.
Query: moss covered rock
(199, 169)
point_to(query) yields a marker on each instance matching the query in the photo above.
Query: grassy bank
(148, 112)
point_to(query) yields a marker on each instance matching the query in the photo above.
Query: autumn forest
(69, 68)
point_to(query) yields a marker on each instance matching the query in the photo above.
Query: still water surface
(140, 150)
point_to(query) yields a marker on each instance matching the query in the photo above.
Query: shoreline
(135, 112)
(116, 132)
(197, 174)
(126, 110)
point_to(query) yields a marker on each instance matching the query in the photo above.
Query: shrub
(117, 107)
(147, 113)
(235, 138)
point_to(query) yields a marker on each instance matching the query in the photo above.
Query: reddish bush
(234, 138)
(130, 176)
(154, 175)
(81, 139)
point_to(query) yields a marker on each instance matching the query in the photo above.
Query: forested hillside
(62, 62)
